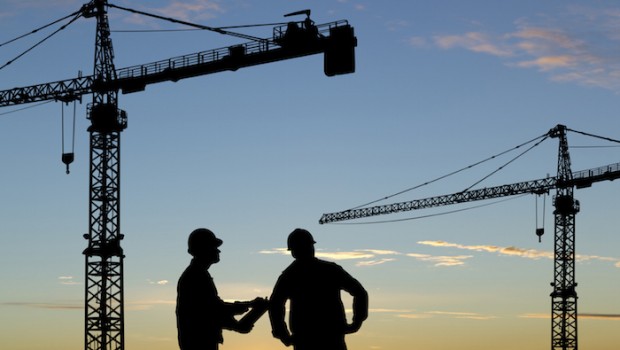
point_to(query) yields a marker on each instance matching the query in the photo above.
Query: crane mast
(104, 304)
(564, 295)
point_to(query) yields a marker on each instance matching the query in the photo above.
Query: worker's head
(202, 243)
(301, 244)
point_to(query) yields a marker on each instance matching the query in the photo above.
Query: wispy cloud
(373, 257)
(159, 283)
(511, 251)
(447, 314)
(582, 316)
(375, 262)
(530, 315)
(441, 260)
(68, 281)
(474, 41)
(46, 305)
(577, 45)
(189, 11)
(517, 252)
(144, 305)
(594, 316)
(367, 257)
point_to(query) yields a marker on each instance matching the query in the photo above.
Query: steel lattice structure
(564, 295)
(104, 304)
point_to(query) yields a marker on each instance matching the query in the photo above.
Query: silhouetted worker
(317, 318)
(201, 314)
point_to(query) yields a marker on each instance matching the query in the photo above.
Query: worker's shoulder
(314, 264)
(328, 264)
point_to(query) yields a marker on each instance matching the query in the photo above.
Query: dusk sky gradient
(255, 153)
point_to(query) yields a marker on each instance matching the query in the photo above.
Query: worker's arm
(277, 304)
(360, 302)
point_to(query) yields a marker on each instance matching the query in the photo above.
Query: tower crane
(564, 295)
(104, 305)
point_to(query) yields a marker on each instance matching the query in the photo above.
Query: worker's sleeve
(277, 305)
(227, 314)
(360, 297)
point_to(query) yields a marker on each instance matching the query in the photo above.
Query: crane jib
(335, 39)
(580, 179)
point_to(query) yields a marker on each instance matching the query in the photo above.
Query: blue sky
(256, 153)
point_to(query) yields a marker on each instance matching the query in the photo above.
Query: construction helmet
(200, 239)
(299, 238)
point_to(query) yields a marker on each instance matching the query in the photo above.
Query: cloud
(414, 316)
(38, 4)
(46, 305)
(374, 262)
(447, 314)
(511, 251)
(68, 281)
(159, 283)
(369, 257)
(373, 257)
(354, 255)
(543, 316)
(393, 311)
(282, 251)
(441, 260)
(594, 316)
(144, 305)
(462, 315)
(581, 316)
(473, 41)
(548, 62)
(518, 252)
(577, 45)
(191, 10)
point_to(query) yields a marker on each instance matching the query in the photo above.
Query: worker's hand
(260, 303)
(284, 337)
(287, 341)
(353, 327)
(244, 328)
(241, 307)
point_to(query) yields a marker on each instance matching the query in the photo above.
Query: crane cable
(68, 157)
(199, 26)
(195, 29)
(26, 107)
(507, 163)
(540, 230)
(38, 29)
(543, 137)
(76, 15)
(595, 136)
(429, 215)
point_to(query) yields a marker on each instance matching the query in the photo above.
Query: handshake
(251, 311)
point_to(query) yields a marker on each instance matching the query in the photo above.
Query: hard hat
(299, 238)
(200, 239)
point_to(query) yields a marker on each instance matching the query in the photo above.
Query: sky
(253, 154)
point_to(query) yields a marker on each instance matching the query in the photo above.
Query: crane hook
(540, 231)
(68, 157)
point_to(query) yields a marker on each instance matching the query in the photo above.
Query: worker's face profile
(214, 254)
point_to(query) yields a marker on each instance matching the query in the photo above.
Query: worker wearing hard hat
(201, 314)
(317, 318)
